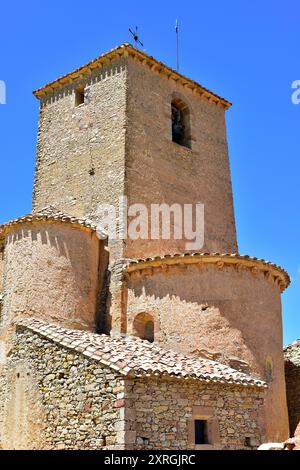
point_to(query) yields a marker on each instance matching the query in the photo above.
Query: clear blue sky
(247, 52)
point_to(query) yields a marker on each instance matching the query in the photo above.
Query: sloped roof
(292, 352)
(126, 50)
(135, 357)
(51, 214)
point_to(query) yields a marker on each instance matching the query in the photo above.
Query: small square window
(79, 96)
(201, 434)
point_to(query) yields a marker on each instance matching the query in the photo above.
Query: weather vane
(136, 37)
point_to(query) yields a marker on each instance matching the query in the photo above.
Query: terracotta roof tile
(227, 258)
(292, 352)
(136, 357)
(51, 214)
(127, 49)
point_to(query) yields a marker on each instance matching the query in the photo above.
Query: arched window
(181, 128)
(269, 369)
(149, 331)
(143, 326)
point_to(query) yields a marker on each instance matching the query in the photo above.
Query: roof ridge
(126, 49)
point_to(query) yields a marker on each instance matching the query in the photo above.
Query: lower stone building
(292, 378)
(70, 389)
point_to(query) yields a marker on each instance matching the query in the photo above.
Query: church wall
(225, 314)
(81, 150)
(161, 171)
(57, 399)
(162, 413)
(51, 272)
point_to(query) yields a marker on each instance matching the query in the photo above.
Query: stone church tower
(128, 125)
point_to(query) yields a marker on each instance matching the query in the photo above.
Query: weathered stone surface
(164, 423)
(72, 141)
(292, 377)
(160, 171)
(60, 409)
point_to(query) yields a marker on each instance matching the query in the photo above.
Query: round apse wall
(221, 312)
(51, 272)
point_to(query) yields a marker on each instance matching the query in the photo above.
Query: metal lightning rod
(177, 44)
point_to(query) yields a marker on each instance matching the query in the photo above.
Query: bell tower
(127, 125)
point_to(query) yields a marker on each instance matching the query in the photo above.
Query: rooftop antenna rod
(136, 37)
(177, 44)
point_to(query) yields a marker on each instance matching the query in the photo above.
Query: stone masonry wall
(80, 160)
(81, 150)
(3, 393)
(161, 412)
(161, 171)
(123, 133)
(292, 378)
(59, 400)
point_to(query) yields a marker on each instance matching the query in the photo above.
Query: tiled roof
(52, 215)
(294, 345)
(292, 352)
(221, 259)
(125, 50)
(135, 357)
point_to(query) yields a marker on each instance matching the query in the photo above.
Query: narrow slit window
(79, 96)
(201, 435)
(149, 331)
